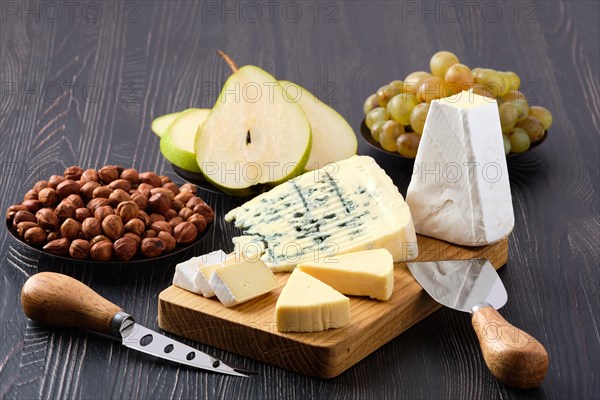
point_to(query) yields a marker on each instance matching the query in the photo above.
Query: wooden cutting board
(250, 329)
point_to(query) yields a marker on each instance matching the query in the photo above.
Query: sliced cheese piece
(364, 273)
(185, 272)
(308, 305)
(459, 191)
(202, 277)
(241, 281)
(347, 206)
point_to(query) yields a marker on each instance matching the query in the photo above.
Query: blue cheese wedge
(185, 272)
(241, 281)
(347, 206)
(364, 273)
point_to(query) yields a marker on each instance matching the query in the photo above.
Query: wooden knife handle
(55, 299)
(516, 358)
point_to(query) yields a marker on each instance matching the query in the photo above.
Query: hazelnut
(47, 218)
(140, 200)
(80, 249)
(131, 175)
(99, 238)
(172, 187)
(206, 211)
(103, 212)
(48, 197)
(91, 227)
(32, 205)
(12, 210)
(82, 213)
(135, 226)
(112, 226)
(120, 184)
(59, 247)
(90, 175)
(145, 188)
(170, 214)
(188, 187)
(159, 203)
(128, 210)
(125, 248)
(164, 179)
(185, 232)
(185, 213)
(118, 196)
(55, 180)
(102, 192)
(170, 242)
(136, 238)
(101, 251)
(67, 187)
(39, 185)
(22, 227)
(74, 199)
(177, 205)
(53, 236)
(193, 202)
(152, 247)
(150, 178)
(108, 174)
(35, 236)
(31, 195)
(97, 202)
(159, 226)
(23, 216)
(87, 190)
(199, 222)
(145, 218)
(167, 192)
(70, 229)
(175, 221)
(184, 197)
(156, 217)
(149, 234)
(65, 210)
(73, 173)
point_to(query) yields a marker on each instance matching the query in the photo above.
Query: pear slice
(161, 124)
(253, 135)
(177, 143)
(333, 139)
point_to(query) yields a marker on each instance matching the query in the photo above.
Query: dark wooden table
(81, 82)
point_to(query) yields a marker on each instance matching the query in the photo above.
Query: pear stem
(228, 60)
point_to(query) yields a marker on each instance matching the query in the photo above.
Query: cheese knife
(59, 300)
(514, 357)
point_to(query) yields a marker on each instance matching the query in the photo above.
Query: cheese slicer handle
(516, 358)
(59, 300)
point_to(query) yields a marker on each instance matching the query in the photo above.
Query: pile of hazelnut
(110, 213)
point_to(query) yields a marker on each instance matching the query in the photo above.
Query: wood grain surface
(250, 329)
(81, 87)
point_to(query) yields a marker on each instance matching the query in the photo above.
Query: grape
(418, 117)
(400, 107)
(411, 82)
(385, 93)
(460, 75)
(533, 127)
(523, 109)
(508, 116)
(408, 144)
(440, 62)
(511, 80)
(389, 133)
(370, 103)
(398, 84)
(492, 81)
(513, 95)
(519, 140)
(482, 91)
(542, 114)
(507, 145)
(376, 129)
(376, 114)
(430, 89)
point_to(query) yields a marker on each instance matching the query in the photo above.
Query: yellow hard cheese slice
(364, 273)
(241, 281)
(308, 305)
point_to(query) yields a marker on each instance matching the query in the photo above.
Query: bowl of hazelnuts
(109, 215)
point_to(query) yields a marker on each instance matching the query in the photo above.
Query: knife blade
(59, 300)
(513, 356)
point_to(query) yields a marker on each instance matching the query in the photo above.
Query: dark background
(81, 82)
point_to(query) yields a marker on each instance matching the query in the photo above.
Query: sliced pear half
(177, 143)
(161, 124)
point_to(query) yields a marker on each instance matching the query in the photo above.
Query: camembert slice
(185, 272)
(307, 305)
(364, 273)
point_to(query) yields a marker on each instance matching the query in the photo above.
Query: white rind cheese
(186, 272)
(364, 273)
(347, 206)
(242, 281)
(459, 191)
(309, 305)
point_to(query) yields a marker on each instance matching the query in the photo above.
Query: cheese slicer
(514, 357)
(59, 300)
